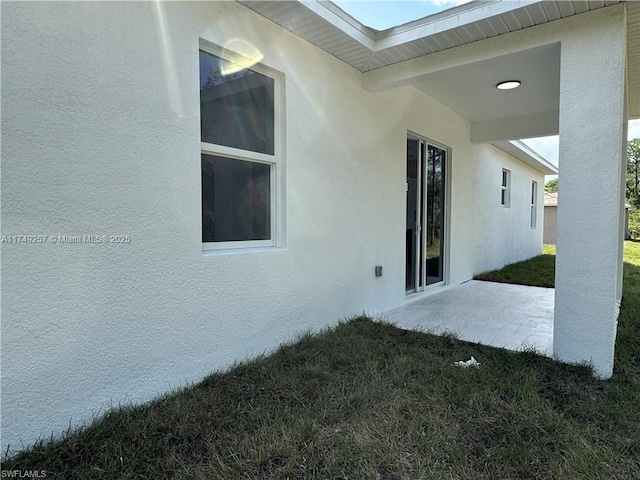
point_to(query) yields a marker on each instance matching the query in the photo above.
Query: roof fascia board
(341, 20)
(526, 155)
(447, 20)
(439, 22)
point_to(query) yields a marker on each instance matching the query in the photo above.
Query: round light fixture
(508, 85)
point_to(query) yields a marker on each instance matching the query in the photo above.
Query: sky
(382, 14)
(548, 146)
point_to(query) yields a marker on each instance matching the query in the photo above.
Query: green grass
(367, 400)
(538, 271)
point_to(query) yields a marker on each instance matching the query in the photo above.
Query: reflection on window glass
(235, 200)
(236, 109)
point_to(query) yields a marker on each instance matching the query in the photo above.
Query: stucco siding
(550, 224)
(504, 235)
(101, 136)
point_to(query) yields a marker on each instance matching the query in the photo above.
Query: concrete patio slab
(497, 314)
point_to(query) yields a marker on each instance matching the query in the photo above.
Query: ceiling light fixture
(508, 85)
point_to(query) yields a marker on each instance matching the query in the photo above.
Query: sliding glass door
(425, 214)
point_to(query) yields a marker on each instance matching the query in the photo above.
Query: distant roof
(550, 199)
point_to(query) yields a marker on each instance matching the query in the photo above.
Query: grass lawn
(367, 400)
(538, 271)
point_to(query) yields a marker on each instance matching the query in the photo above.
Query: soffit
(469, 89)
(328, 27)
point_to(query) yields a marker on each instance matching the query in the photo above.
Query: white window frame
(275, 161)
(505, 198)
(534, 205)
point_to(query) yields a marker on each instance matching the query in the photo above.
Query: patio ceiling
(327, 26)
(470, 91)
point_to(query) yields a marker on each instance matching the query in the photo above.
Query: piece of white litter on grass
(472, 362)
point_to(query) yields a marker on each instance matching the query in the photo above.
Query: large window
(241, 155)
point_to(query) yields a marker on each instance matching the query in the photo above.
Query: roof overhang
(526, 155)
(328, 27)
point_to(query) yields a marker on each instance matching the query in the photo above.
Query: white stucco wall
(504, 235)
(100, 135)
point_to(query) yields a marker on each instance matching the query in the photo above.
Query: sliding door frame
(420, 277)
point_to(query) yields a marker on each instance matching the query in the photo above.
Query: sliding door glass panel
(434, 233)
(423, 209)
(411, 236)
(425, 227)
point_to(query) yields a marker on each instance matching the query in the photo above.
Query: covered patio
(577, 65)
(515, 317)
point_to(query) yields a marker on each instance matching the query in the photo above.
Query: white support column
(588, 265)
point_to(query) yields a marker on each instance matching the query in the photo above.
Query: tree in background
(633, 172)
(633, 185)
(551, 185)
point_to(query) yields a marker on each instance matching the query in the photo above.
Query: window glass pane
(435, 214)
(236, 200)
(236, 106)
(504, 178)
(533, 217)
(503, 197)
(412, 212)
(533, 193)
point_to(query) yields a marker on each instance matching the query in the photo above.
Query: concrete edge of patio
(515, 317)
